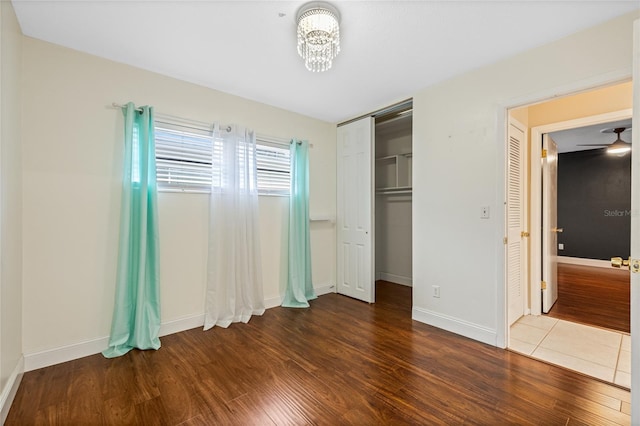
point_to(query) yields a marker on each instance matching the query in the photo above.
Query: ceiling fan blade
(593, 144)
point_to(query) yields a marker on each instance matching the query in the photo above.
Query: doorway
(593, 219)
(393, 201)
(560, 332)
(374, 208)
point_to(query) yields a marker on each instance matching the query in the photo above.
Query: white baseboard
(456, 325)
(272, 302)
(397, 279)
(10, 390)
(49, 357)
(325, 288)
(46, 358)
(181, 324)
(322, 289)
(598, 263)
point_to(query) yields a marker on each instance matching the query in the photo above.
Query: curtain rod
(277, 141)
(117, 105)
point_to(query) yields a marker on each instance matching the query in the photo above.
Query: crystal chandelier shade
(318, 35)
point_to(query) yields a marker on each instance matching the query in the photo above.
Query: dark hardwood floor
(593, 296)
(339, 362)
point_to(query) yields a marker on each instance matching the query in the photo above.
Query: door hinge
(504, 240)
(544, 153)
(524, 234)
(543, 285)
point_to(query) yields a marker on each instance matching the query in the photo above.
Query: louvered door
(515, 222)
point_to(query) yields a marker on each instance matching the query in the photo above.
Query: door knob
(557, 230)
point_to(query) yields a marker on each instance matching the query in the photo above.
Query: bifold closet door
(355, 210)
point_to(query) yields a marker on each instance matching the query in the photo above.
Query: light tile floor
(599, 353)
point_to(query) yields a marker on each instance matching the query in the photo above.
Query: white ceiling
(573, 140)
(390, 49)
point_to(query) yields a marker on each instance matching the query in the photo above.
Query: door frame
(535, 164)
(617, 76)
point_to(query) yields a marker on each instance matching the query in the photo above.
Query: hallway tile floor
(599, 353)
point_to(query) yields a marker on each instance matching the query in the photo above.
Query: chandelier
(318, 35)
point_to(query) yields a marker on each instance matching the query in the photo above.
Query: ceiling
(570, 140)
(390, 49)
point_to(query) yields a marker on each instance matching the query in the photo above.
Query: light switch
(484, 212)
(560, 246)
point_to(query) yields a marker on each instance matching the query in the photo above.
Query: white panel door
(549, 223)
(515, 222)
(635, 231)
(355, 210)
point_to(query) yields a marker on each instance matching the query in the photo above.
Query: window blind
(183, 157)
(184, 154)
(273, 164)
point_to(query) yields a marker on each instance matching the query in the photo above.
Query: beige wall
(459, 143)
(71, 161)
(10, 203)
(599, 101)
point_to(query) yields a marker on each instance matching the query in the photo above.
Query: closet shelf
(395, 156)
(394, 190)
(322, 218)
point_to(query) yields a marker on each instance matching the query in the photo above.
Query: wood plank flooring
(340, 362)
(593, 296)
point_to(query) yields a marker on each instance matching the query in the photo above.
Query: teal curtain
(299, 285)
(136, 313)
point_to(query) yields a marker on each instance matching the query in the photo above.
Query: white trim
(536, 191)
(46, 358)
(272, 302)
(325, 288)
(635, 241)
(181, 324)
(502, 314)
(598, 263)
(397, 279)
(10, 390)
(502, 116)
(456, 325)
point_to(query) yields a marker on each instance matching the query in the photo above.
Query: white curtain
(234, 275)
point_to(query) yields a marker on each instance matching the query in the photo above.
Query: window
(273, 164)
(184, 152)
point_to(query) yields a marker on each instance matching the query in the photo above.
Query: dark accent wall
(594, 204)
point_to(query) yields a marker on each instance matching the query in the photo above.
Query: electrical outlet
(436, 291)
(560, 246)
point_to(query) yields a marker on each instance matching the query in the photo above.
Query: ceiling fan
(617, 147)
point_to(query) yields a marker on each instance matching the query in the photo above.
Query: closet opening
(393, 200)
